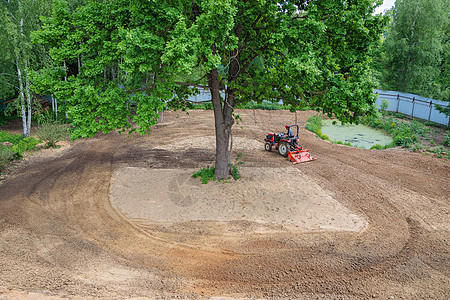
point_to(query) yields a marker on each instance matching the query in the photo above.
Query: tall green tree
(416, 48)
(18, 18)
(305, 52)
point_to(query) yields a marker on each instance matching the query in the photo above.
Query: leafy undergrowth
(52, 128)
(13, 146)
(424, 137)
(412, 134)
(207, 174)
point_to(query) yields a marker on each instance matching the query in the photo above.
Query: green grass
(207, 174)
(404, 133)
(19, 146)
(314, 124)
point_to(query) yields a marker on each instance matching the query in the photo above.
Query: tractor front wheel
(268, 146)
(283, 149)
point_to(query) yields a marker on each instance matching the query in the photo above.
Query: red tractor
(287, 145)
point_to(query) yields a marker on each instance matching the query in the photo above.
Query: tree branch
(178, 83)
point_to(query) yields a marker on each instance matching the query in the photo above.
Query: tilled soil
(66, 231)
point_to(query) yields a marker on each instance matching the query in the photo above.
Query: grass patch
(207, 174)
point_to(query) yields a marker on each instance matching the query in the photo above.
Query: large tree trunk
(223, 119)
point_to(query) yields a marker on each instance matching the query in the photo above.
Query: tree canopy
(416, 49)
(125, 59)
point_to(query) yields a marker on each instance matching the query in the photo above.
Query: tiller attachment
(300, 155)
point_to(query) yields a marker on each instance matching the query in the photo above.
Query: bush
(20, 145)
(207, 174)
(51, 129)
(404, 133)
(204, 106)
(384, 106)
(314, 124)
(6, 155)
(377, 146)
(51, 133)
(446, 141)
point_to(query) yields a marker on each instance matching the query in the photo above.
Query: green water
(358, 135)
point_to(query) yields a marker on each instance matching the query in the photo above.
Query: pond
(358, 135)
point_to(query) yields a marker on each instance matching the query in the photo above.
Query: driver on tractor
(281, 134)
(289, 131)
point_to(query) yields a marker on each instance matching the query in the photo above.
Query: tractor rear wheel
(268, 146)
(283, 149)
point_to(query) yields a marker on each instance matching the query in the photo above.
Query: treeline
(414, 55)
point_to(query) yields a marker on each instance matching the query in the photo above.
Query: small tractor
(287, 145)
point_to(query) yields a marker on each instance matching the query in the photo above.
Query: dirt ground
(119, 217)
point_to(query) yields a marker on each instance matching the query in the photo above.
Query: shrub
(20, 145)
(51, 129)
(446, 141)
(51, 133)
(6, 155)
(377, 146)
(384, 106)
(404, 133)
(207, 174)
(314, 124)
(204, 106)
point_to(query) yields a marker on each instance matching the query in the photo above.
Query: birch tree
(18, 18)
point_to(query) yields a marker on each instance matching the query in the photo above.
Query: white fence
(414, 106)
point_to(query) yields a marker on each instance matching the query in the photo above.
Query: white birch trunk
(22, 100)
(26, 127)
(27, 91)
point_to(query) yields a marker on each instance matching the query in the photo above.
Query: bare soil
(119, 217)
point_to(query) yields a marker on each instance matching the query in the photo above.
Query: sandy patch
(273, 199)
(209, 142)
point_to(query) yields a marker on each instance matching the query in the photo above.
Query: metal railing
(414, 106)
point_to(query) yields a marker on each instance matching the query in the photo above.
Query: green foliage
(404, 133)
(51, 129)
(416, 53)
(6, 119)
(314, 124)
(384, 106)
(204, 106)
(234, 167)
(307, 54)
(266, 105)
(446, 141)
(377, 146)
(20, 145)
(207, 174)
(6, 155)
